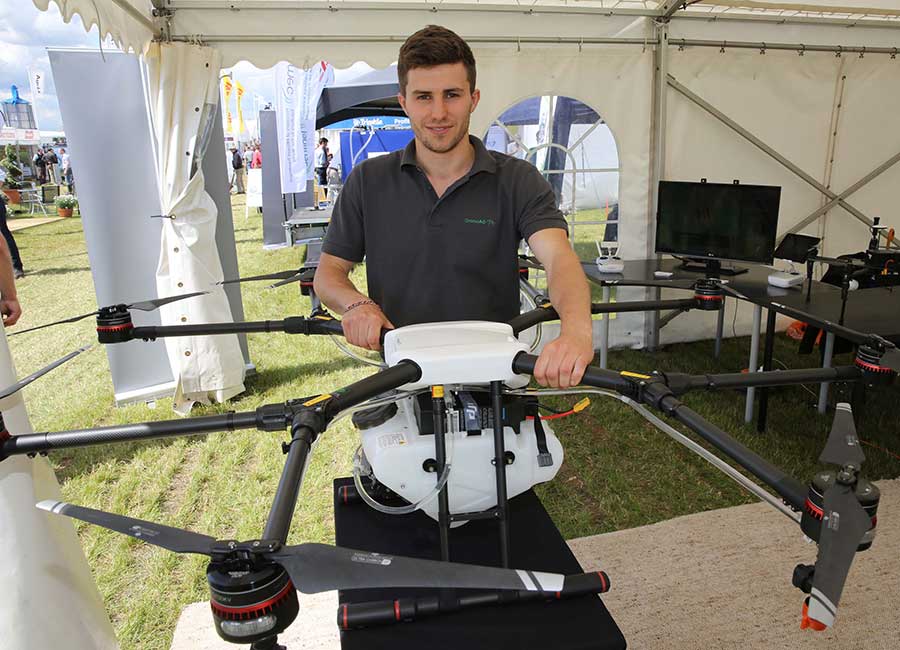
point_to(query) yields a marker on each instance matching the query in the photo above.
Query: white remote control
(608, 261)
(785, 280)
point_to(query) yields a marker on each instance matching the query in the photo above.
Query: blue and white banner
(297, 93)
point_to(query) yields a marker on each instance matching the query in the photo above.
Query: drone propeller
(278, 275)
(318, 567)
(172, 539)
(143, 305)
(844, 522)
(305, 274)
(891, 359)
(22, 383)
(842, 447)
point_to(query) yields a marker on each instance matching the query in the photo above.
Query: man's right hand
(362, 326)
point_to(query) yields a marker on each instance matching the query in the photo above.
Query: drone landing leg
(440, 455)
(500, 468)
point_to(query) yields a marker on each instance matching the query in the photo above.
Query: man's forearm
(336, 290)
(570, 295)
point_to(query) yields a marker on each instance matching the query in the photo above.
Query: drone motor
(251, 602)
(114, 324)
(709, 295)
(869, 360)
(866, 493)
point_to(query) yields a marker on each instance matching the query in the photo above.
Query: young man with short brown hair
(439, 222)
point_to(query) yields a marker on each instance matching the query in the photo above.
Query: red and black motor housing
(867, 494)
(708, 295)
(868, 359)
(250, 601)
(114, 324)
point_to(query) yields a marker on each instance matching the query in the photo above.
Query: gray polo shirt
(431, 259)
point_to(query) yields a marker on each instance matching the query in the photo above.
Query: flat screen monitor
(724, 221)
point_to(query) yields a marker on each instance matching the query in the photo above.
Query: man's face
(438, 102)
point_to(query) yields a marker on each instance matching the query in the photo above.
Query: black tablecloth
(574, 624)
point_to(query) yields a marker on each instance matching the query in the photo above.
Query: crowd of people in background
(53, 168)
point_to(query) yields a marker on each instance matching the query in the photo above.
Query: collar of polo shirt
(484, 162)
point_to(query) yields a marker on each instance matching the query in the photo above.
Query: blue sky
(26, 33)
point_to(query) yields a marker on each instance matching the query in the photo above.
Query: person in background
(66, 166)
(10, 250)
(52, 161)
(257, 157)
(237, 163)
(40, 166)
(321, 164)
(247, 155)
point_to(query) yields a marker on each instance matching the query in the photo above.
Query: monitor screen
(717, 220)
(795, 247)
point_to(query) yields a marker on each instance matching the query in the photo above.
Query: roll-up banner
(228, 86)
(297, 93)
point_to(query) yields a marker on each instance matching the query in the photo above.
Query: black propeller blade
(278, 275)
(319, 567)
(143, 305)
(843, 526)
(843, 447)
(844, 520)
(22, 383)
(156, 303)
(173, 539)
(891, 359)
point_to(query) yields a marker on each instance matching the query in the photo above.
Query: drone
(449, 415)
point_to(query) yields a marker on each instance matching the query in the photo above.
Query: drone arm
(658, 395)
(681, 383)
(292, 325)
(272, 417)
(308, 422)
(545, 312)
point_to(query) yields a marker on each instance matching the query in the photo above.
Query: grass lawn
(619, 471)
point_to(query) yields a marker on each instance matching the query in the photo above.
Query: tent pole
(658, 166)
(702, 103)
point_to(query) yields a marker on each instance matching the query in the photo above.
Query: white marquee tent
(797, 94)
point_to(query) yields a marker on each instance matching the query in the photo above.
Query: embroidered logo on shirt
(480, 222)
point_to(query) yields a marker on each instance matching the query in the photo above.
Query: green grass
(619, 471)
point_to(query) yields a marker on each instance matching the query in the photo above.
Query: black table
(574, 624)
(870, 311)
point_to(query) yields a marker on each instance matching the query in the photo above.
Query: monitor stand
(712, 268)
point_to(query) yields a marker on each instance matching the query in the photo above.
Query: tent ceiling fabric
(304, 29)
(872, 8)
(128, 22)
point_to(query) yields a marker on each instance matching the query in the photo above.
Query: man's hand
(362, 326)
(563, 361)
(11, 311)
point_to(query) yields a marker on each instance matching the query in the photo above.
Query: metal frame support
(658, 169)
(872, 175)
(750, 137)
(826, 363)
(754, 360)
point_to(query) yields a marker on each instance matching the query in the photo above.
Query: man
(40, 166)
(321, 164)
(51, 159)
(440, 222)
(66, 168)
(237, 163)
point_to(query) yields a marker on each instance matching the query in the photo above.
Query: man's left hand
(564, 360)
